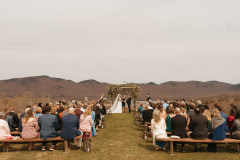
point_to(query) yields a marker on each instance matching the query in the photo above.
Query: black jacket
(178, 126)
(15, 119)
(147, 115)
(198, 125)
(129, 100)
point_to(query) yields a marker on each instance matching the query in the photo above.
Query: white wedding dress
(117, 106)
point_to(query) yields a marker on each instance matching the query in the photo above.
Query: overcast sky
(120, 41)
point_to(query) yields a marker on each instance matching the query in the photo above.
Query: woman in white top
(158, 127)
(4, 130)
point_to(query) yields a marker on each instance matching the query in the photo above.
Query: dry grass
(224, 100)
(120, 140)
(19, 102)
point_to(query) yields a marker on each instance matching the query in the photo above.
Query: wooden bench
(20, 140)
(190, 140)
(138, 119)
(16, 133)
(147, 129)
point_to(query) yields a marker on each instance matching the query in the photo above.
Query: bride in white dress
(117, 105)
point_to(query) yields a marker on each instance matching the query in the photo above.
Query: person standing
(165, 104)
(123, 103)
(148, 97)
(129, 101)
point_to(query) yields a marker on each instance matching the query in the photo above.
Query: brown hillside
(57, 88)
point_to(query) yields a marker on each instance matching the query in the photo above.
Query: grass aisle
(121, 139)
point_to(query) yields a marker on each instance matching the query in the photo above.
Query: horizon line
(124, 82)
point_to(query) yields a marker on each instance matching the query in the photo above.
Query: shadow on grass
(146, 146)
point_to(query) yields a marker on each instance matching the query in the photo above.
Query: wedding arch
(123, 89)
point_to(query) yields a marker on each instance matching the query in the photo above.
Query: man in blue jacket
(70, 126)
(48, 124)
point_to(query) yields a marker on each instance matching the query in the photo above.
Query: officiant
(129, 101)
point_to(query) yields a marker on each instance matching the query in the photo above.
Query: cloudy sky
(120, 41)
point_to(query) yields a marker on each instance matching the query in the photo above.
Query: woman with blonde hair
(38, 112)
(158, 127)
(184, 112)
(218, 125)
(86, 122)
(30, 128)
(208, 115)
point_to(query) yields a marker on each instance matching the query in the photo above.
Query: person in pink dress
(4, 130)
(30, 127)
(86, 122)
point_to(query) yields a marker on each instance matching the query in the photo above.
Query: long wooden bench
(190, 140)
(16, 133)
(20, 140)
(147, 129)
(138, 119)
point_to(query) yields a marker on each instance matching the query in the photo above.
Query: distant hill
(235, 87)
(57, 87)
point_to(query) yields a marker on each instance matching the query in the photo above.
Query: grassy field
(121, 139)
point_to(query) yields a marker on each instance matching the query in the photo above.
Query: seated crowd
(192, 120)
(65, 119)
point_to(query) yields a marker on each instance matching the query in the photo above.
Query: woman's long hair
(157, 116)
(160, 107)
(27, 116)
(87, 112)
(216, 113)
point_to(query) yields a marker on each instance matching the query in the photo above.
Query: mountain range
(59, 88)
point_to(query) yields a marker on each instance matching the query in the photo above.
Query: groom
(129, 101)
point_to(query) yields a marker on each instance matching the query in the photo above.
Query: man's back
(178, 126)
(70, 126)
(48, 124)
(15, 119)
(147, 115)
(198, 125)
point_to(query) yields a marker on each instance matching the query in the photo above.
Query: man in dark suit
(129, 101)
(147, 113)
(70, 126)
(198, 125)
(178, 126)
(148, 97)
(48, 124)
